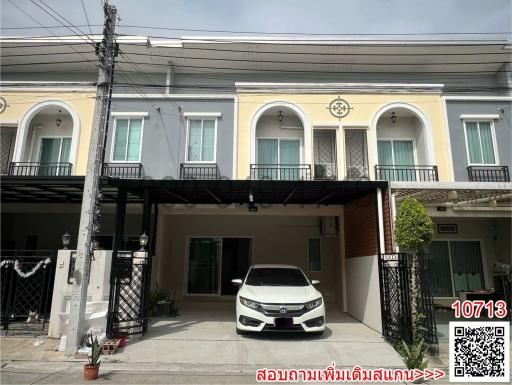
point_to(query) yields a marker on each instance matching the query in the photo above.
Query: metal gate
(397, 272)
(324, 142)
(26, 286)
(356, 154)
(129, 294)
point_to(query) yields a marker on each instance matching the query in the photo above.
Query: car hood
(279, 294)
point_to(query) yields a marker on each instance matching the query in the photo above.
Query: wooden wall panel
(361, 227)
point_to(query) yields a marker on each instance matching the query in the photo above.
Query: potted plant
(92, 368)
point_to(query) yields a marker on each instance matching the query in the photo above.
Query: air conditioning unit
(329, 225)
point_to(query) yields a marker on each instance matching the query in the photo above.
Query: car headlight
(313, 304)
(249, 303)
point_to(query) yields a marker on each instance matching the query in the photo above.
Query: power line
(86, 16)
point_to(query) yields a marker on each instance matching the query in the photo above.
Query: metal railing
(40, 169)
(325, 171)
(280, 171)
(199, 171)
(122, 170)
(406, 173)
(488, 174)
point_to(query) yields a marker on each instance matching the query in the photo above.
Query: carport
(203, 334)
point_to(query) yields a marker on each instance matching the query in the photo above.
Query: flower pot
(91, 372)
(122, 340)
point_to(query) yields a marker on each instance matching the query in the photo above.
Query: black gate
(129, 294)
(397, 273)
(26, 285)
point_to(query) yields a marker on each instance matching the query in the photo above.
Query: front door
(214, 262)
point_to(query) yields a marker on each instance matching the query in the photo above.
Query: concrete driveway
(205, 335)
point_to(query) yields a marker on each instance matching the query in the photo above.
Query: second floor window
(480, 143)
(201, 140)
(127, 140)
(396, 152)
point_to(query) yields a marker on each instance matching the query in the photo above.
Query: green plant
(413, 227)
(157, 295)
(95, 351)
(413, 355)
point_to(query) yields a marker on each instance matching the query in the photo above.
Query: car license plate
(283, 322)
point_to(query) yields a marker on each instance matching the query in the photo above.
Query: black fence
(26, 286)
(122, 170)
(406, 300)
(199, 171)
(281, 171)
(488, 174)
(408, 173)
(129, 294)
(40, 169)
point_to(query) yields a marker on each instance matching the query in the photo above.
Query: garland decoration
(25, 274)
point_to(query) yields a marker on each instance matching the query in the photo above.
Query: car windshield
(269, 276)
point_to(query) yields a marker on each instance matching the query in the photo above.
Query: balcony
(40, 169)
(122, 170)
(199, 171)
(280, 171)
(488, 174)
(406, 173)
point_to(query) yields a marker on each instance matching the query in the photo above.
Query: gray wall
(164, 133)
(502, 126)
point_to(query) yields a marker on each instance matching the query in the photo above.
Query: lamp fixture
(58, 121)
(393, 117)
(280, 116)
(66, 238)
(143, 241)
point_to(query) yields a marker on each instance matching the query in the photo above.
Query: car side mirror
(237, 282)
(315, 282)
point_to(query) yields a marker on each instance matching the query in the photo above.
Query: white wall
(269, 127)
(98, 289)
(363, 292)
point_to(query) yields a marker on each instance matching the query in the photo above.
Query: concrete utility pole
(89, 217)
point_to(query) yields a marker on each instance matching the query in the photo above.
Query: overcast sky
(285, 16)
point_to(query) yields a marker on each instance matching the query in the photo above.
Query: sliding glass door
(53, 150)
(214, 262)
(282, 157)
(398, 154)
(455, 266)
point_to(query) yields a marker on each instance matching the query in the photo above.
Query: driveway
(206, 336)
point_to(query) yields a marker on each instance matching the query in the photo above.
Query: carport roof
(70, 189)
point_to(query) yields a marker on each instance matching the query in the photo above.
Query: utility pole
(89, 216)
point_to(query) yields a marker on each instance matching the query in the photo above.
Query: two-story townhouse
(239, 151)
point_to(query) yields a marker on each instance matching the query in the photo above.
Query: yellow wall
(82, 102)
(365, 106)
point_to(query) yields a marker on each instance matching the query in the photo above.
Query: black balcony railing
(122, 170)
(488, 174)
(199, 171)
(281, 171)
(406, 173)
(40, 169)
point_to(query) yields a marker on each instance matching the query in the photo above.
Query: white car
(280, 298)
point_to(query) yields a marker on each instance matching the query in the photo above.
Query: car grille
(275, 310)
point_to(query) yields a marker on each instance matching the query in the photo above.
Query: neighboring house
(273, 151)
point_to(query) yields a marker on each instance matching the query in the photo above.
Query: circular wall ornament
(3, 104)
(339, 108)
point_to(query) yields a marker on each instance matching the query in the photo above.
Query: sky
(379, 17)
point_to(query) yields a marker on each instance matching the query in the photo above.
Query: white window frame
(493, 138)
(321, 257)
(60, 147)
(301, 148)
(414, 152)
(129, 117)
(202, 118)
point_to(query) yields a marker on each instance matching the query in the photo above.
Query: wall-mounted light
(58, 121)
(393, 117)
(143, 241)
(66, 238)
(252, 207)
(280, 116)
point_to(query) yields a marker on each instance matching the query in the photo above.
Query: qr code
(479, 352)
